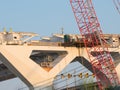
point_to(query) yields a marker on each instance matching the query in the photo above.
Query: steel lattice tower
(93, 38)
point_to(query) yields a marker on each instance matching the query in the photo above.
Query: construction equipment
(93, 38)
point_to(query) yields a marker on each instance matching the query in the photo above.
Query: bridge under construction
(92, 58)
(40, 63)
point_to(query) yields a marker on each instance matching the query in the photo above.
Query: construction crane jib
(95, 43)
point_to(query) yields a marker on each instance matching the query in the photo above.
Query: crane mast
(95, 43)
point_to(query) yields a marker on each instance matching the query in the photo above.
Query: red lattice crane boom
(95, 43)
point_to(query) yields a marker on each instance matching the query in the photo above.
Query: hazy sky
(49, 16)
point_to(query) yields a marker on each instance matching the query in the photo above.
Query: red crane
(95, 43)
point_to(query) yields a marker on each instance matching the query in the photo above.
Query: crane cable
(117, 5)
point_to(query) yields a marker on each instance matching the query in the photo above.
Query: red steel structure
(95, 43)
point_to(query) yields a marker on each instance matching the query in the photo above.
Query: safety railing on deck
(40, 43)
